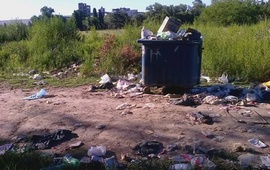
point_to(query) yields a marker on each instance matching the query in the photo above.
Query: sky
(25, 9)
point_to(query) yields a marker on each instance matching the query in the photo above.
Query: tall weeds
(240, 51)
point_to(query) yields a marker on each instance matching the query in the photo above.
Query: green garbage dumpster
(171, 63)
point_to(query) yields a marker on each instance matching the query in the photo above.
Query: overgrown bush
(54, 43)
(13, 32)
(241, 51)
(14, 56)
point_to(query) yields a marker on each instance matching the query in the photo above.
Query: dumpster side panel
(171, 64)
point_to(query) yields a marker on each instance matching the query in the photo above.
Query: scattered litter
(91, 88)
(37, 77)
(38, 95)
(75, 145)
(265, 160)
(97, 151)
(123, 84)
(85, 160)
(223, 78)
(149, 105)
(211, 99)
(97, 158)
(105, 79)
(4, 148)
(172, 147)
(78, 124)
(126, 113)
(219, 138)
(146, 33)
(185, 100)
(231, 99)
(111, 163)
(145, 148)
(123, 106)
(248, 159)
(208, 134)
(196, 162)
(208, 79)
(100, 126)
(256, 142)
(251, 97)
(199, 117)
(51, 140)
(182, 166)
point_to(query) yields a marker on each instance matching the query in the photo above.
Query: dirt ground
(149, 117)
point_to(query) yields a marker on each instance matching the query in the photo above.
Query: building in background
(130, 12)
(85, 8)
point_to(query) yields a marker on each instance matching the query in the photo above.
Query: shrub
(54, 43)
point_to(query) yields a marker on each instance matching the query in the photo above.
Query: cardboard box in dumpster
(169, 25)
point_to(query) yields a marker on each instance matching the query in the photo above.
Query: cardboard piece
(169, 25)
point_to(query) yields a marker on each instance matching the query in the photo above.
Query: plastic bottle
(181, 166)
(69, 161)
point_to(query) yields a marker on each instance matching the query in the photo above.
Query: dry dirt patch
(149, 117)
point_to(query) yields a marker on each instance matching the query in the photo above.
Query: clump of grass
(27, 160)
(240, 51)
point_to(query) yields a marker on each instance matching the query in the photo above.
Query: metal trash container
(171, 63)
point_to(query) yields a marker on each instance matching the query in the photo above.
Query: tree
(156, 12)
(116, 20)
(229, 12)
(101, 17)
(197, 7)
(47, 11)
(79, 16)
(138, 19)
(95, 13)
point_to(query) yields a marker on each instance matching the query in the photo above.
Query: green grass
(26, 82)
(240, 51)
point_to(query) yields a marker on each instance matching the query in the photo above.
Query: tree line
(221, 12)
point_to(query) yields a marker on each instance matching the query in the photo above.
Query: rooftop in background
(8, 22)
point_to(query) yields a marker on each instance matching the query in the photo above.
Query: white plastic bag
(97, 151)
(223, 78)
(105, 79)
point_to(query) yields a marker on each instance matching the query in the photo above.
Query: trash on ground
(223, 78)
(111, 163)
(4, 148)
(123, 106)
(248, 159)
(207, 78)
(100, 126)
(76, 144)
(97, 159)
(51, 140)
(265, 160)
(211, 99)
(97, 151)
(196, 161)
(105, 79)
(145, 148)
(199, 117)
(185, 100)
(181, 166)
(38, 95)
(256, 142)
